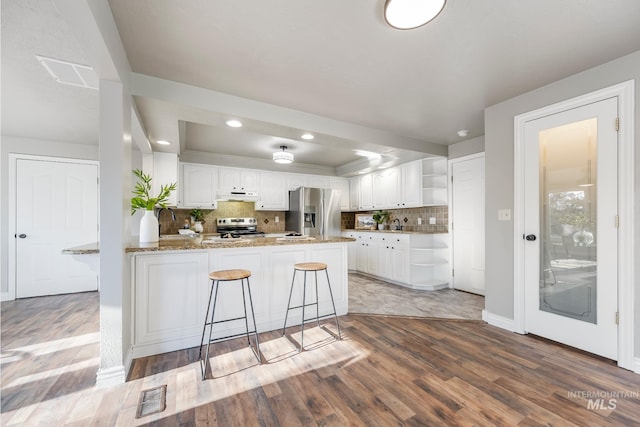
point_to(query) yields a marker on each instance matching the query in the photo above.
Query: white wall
(18, 145)
(465, 148)
(499, 152)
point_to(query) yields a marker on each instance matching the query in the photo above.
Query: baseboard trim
(6, 296)
(110, 377)
(636, 365)
(499, 321)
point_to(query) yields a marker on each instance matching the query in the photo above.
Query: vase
(583, 238)
(149, 230)
(380, 226)
(197, 227)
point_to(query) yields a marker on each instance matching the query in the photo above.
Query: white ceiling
(334, 59)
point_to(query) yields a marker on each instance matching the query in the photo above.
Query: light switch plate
(504, 215)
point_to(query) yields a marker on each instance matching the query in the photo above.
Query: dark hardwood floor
(386, 371)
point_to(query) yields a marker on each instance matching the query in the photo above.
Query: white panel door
(467, 207)
(571, 240)
(56, 208)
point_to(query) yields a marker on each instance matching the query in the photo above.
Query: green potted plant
(380, 217)
(142, 199)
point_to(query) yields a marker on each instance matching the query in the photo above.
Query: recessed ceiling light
(163, 142)
(409, 14)
(234, 123)
(307, 136)
(462, 133)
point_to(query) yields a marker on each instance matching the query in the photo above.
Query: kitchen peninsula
(170, 286)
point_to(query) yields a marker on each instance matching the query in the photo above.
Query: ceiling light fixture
(163, 142)
(307, 136)
(462, 133)
(233, 123)
(283, 156)
(409, 14)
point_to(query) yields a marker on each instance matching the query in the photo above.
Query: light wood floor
(386, 371)
(371, 296)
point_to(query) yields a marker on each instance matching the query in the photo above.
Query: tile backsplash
(267, 219)
(409, 219)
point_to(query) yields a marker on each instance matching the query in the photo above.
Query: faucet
(159, 211)
(397, 224)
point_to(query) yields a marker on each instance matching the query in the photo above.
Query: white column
(115, 184)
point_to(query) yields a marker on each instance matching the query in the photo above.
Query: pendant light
(409, 14)
(283, 156)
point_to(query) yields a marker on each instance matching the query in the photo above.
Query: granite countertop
(178, 243)
(358, 230)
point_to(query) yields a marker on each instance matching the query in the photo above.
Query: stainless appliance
(314, 212)
(238, 227)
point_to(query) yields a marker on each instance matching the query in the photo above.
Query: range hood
(237, 196)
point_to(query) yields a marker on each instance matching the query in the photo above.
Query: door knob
(22, 236)
(530, 237)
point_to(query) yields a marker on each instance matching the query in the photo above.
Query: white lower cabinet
(418, 261)
(170, 297)
(171, 291)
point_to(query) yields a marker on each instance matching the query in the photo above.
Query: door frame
(450, 164)
(625, 94)
(12, 216)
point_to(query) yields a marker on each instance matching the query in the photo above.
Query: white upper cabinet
(295, 181)
(411, 186)
(341, 184)
(366, 192)
(235, 179)
(387, 189)
(318, 181)
(274, 193)
(198, 186)
(354, 193)
(165, 171)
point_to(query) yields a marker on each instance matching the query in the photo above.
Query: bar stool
(228, 276)
(306, 267)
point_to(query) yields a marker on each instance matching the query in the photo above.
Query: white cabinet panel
(342, 184)
(198, 186)
(318, 181)
(366, 192)
(171, 292)
(354, 193)
(411, 184)
(351, 249)
(295, 181)
(236, 179)
(273, 193)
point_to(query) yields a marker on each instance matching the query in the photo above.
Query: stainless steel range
(238, 227)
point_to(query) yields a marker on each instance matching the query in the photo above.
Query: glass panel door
(568, 206)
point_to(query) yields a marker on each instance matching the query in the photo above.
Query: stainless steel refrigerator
(314, 212)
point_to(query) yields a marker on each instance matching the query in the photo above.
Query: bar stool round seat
(310, 266)
(314, 267)
(224, 276)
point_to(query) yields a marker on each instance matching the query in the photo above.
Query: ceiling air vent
(69, 73)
